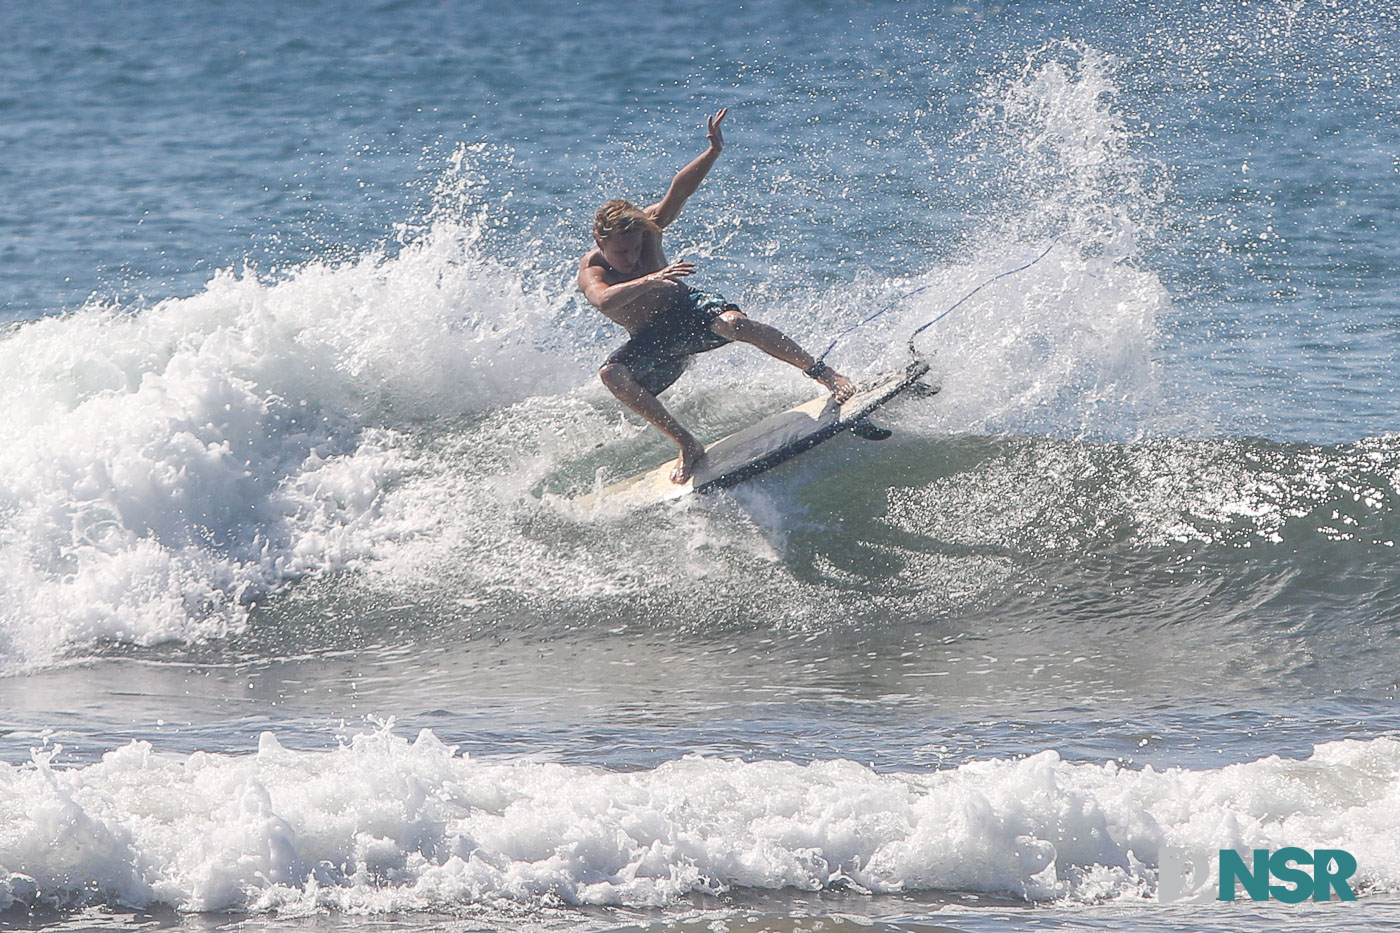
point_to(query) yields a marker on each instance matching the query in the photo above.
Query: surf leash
(953, 307)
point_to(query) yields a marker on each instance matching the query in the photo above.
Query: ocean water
(301, 628)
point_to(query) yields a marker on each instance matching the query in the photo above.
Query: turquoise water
(300, 626)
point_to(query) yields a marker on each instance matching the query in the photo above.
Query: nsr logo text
(1185, 875)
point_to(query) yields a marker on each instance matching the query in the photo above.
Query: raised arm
(689, 178)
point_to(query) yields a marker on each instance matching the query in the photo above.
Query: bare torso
(637, 314)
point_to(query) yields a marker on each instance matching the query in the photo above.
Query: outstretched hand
(712, 125)
(676, 270)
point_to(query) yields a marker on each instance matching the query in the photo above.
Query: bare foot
(841, 387)
(690, 456)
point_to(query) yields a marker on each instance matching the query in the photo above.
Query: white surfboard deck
(762, 446)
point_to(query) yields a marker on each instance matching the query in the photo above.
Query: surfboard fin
(870, 430)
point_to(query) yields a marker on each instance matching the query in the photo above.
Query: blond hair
(620, 217)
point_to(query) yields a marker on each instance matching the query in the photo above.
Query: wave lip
(381, 824)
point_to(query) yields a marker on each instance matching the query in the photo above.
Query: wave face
(386, 825)
(168, 467)
(421, 420)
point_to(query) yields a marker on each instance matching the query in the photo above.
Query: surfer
(628, 278)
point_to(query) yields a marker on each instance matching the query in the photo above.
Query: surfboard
(772, 441)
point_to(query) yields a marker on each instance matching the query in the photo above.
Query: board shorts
(658, 353)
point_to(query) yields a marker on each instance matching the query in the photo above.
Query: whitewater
(300, 619)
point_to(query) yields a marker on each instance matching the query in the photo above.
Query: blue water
(299, 622)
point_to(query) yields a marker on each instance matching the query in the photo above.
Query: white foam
(383, 824)
(162, 468)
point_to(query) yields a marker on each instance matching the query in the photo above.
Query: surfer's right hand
(676, 271)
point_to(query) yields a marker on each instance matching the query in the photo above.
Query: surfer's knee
(615, 375)
(732, 324)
